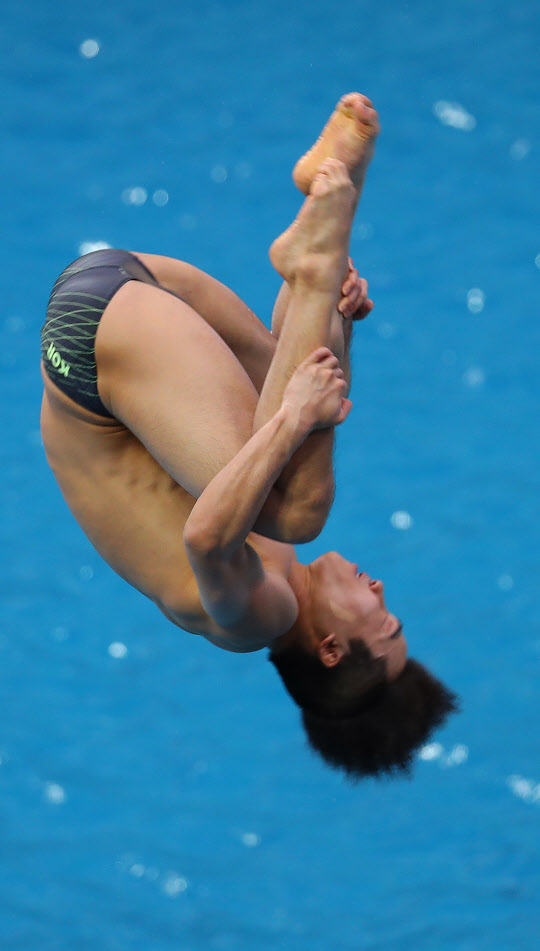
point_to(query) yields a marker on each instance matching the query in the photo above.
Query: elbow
(198, 540)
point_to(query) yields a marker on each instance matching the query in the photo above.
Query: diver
(195, 449)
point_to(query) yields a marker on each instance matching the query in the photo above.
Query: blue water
(156, 793)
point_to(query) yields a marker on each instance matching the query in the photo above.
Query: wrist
(295, 423)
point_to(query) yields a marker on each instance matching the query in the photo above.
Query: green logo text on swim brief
(57, 361)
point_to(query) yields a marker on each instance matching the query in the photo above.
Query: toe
(352, 98)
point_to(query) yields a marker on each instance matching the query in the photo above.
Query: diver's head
(366, 708)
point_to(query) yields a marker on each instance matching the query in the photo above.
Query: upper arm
(249, 604)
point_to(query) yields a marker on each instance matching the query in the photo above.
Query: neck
(302, 632)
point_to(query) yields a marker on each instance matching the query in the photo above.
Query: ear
(330, 651)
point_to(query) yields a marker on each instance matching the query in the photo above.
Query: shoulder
(248, 601)
(270, 612)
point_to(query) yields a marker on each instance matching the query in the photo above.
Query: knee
(306, 519)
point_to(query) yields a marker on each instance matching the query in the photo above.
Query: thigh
(174, 383)
(243, 332)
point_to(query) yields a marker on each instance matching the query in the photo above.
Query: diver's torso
(131, 510)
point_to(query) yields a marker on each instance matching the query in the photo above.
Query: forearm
(229, 507)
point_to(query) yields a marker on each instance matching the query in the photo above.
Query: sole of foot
(349, 135)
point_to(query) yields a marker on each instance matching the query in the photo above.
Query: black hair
(355, 718)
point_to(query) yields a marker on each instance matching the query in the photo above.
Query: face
(350, 605)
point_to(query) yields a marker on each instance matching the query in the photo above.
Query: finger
(318, 355)
(354, 298)
(357, 294)
(364, 310)
(349, 304)
(351, 281)
(346, 407)
(330, 361)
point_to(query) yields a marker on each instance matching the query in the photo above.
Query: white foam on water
(54, 793)
(476, 300)
(454, 114)
(250, 839)
(474, 377)
(526, 789)
(505, 582)
(135, 195)
(174, 884)
(85, 247)
(401, 520)
(457, 756)
(117, 650)
(160, 197)
(170, 882)
(431, 751)
(219, 174)
(520, 149)
(89, 48)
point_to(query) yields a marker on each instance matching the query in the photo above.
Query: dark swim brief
(76, 304)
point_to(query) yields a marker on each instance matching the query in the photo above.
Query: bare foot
(349, 135)
(315, 247)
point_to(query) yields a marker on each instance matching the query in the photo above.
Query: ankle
(318, 272)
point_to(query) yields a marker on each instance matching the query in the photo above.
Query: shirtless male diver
(194, 448)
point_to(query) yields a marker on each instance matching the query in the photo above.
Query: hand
(315, 392)
(355, 302)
